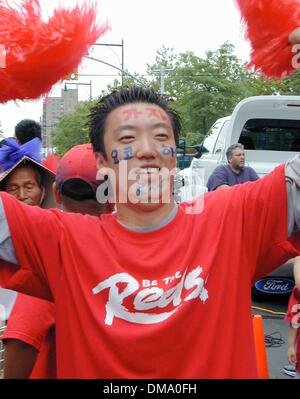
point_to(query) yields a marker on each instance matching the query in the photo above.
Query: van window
(212, 134)
(271, 135)
(220, 144)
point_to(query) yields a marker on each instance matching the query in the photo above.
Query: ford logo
(275, 285)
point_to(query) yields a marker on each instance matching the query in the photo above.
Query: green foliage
(72, 128)
(193, 138)
(205, 89)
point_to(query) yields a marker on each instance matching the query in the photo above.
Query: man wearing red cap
(77, 181)
(30, 334)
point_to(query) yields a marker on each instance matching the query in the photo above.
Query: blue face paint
(114, 155)
(167, 150)
(128, 153)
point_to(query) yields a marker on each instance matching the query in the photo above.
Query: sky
(144, 27)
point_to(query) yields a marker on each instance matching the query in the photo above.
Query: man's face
(141, 135)
(22, 183)
(237, 159)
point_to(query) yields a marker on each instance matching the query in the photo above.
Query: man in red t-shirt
(30, 183)
(29, 337)
(144, 292)
(293, 318)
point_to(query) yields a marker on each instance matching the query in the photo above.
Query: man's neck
(235, 170)
(136, 217)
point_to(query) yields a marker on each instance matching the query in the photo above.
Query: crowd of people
(117, 280)
(71, 184)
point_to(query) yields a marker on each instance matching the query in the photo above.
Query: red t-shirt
(171, 303)
(32, 321)
(293, 316)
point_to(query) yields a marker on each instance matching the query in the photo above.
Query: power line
(115, 67)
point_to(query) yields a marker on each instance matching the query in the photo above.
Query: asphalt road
(276, 330)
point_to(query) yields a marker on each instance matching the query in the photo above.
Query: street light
(116, 45)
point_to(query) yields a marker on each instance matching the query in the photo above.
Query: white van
(267, 126)
(269, 129)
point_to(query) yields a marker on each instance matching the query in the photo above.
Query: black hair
(123, 96)
(27, 130)
(77, 189)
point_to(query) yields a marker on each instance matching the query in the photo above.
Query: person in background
(28, 143)
(26, 130)
(30, 183)
(293, 353)
(76, 182)
(293, 317)
(23, 177)
(29, 338)
(235, 172)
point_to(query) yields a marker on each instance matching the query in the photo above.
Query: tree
(205, 89)
(72, 129)
(202, 89)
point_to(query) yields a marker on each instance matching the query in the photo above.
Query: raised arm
(29, 238)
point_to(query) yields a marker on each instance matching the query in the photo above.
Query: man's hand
(291, 354)
(294, 37)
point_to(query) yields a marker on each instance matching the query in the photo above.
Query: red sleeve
(265, 227)
(30, 320)
(36, 234)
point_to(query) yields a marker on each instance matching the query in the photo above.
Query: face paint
(114, 155)
(167, 150)
(131, 113)
(156, 113)
(128, 153)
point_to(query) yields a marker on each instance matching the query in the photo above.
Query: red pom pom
(38, 53)
(268, 26)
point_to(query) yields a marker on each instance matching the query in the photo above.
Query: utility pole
(162, 71)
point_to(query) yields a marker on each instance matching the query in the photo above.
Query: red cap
(51, 162)
(79, 163)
